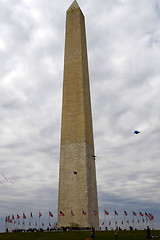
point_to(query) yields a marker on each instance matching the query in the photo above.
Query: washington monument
(77, 200)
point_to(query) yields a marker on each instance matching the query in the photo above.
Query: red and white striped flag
(84, 213)
(50, 214)
(61, 213)
(125, 213)
(95, 213)
(106, 213)
(115, 213)
(146, 214)
(134, 214)
(141, 214)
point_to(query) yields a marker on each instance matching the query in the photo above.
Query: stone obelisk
(77, 203)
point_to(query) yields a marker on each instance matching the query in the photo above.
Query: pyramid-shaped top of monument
(73, 6)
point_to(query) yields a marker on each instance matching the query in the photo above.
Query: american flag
(95, 212)
(61, 213)
(125, 213)
(151, 217)
(134, 214)
(72, 213)
(50, 214)
(115, 213)
(141, 214)
(106, 213)
(146, 214)
(84, 213)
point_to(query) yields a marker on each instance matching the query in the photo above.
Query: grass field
(78, 235)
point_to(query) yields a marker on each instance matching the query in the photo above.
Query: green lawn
(78, 235)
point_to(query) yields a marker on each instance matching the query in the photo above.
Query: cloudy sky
(123, 38)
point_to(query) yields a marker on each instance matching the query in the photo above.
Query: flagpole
(133, 223)
(49, 220)
(124, 220)
(5, 223)
(39, 221)
(82, 219)
(11, 225)
(104, 219)
(152, 225)
(146, 222)
(71, 219)
(115, 219)
(30, 221)
(16, 224)
(140, 221)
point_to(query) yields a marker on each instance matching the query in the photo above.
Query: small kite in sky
(136, 132)
(7, 179)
